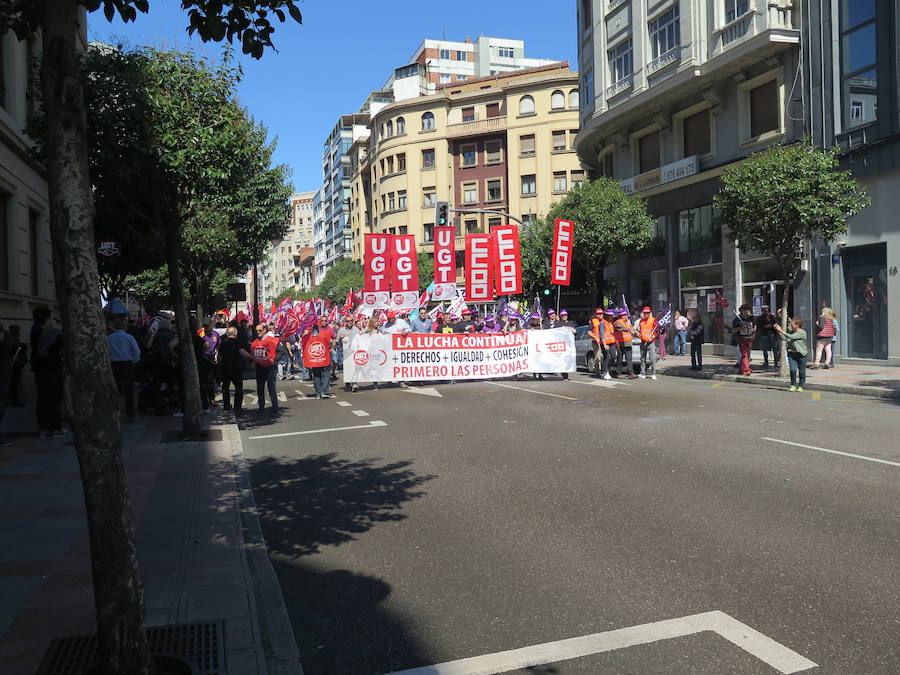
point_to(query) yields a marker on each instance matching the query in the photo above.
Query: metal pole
(255, 294)
(558, 289)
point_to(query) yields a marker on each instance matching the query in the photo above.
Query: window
(428, 196)
(470, 193)
(764, 108)
(620, 64)
(529, 186)
(577, 178)
(392, 202)
(390, 165)
(573, 99)
(559, 181)
(526, 145)
(587, 19)
(390, 128)
(492, 152)
(428, 159)
(404, 229)
(735, 9)
(445, 54)
(859, 76)
(559, 140)
(445, 78)
(401, 162)
(468, 114)
(664, 33)
(494, 191)
(696, 229)
(469, 154)
(460, 56)
(648, 152)
(462, 78)
(401, 126)
(505, 52)
(429, 231)
(572, 134)
(695, 134)
(427, 121)
(557, 100)
(471, 226)
(494, 222)
(401, 199)
(526, 105)
(492, 110)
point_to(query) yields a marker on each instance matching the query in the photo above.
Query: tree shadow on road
(323, 500)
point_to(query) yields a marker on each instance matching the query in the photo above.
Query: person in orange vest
(596, 333)
(648, 330)
(608, 342)
(624, 332)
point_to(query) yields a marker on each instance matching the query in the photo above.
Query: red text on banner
(561, 262)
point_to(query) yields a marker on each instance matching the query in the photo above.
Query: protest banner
(404, 272)
(457, 356)
(444, 263)
(507, 260)
(563, 238)
(376, 260)
(479, 268)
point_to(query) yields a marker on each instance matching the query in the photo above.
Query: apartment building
(287, 264)
(672, 93)
(851, 85)
(450, 62)
(502, 143)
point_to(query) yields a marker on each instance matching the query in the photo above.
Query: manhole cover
(199, 644)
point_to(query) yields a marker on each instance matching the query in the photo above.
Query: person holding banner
(647, 330)
(624, 333)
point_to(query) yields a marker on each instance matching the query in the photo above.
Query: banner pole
(558, 289)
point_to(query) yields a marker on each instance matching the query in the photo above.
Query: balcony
(488, 125)
(622, 85)
(664, 60)
(761, 16)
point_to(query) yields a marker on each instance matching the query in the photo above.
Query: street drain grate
(200, 644)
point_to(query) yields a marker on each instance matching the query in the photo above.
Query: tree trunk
(190, 378)
(92, 397)
(784, 368)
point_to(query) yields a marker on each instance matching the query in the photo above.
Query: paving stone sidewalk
(844, 378)
(200, 547)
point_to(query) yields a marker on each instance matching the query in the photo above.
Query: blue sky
(343, 50)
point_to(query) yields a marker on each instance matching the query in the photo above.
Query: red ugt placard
(507, 260)
(376, 260)
(404, 266)
(563, 239)
(444, 255)
(479, 268)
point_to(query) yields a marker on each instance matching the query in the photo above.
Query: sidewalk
(200, 548)
(878, 381)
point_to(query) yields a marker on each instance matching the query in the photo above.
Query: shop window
(697, 229)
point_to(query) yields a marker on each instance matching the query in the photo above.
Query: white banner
(373, 300)
(458, 356)
(405, 301)
(443, 291)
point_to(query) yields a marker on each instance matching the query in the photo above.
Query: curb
(854, 390)
(280, 646)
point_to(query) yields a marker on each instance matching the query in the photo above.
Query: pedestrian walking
(46, 363)
(696, 333)
(680, 325)
(231, 369)
(835, 341)
(797, 350)
(744, 328)
(124, 355)
(647, 331)
(263, 352)
(317, 343)
(662, 335)
(824, 338)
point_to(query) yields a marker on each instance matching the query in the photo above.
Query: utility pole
(255, 293)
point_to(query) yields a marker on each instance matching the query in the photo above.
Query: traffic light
(441, 214)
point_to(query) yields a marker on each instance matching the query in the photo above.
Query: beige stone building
(502, 143)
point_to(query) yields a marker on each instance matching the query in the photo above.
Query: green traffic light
(546, 291)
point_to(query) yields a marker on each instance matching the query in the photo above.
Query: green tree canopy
(346, 274)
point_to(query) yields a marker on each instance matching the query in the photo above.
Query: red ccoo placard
(507, 260)
(479, 268)
(563, 239)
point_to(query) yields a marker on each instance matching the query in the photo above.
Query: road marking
(532, 391)
(833, 452)
(425, 391)
(282, 396)
(360, 413)
(774, 654)
(254, 399)
(609, 384)
(817, 396)
(373, 423)
(718, 384)
(344, 404)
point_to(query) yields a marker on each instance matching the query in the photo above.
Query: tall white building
(283, 268)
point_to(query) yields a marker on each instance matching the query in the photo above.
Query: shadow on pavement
(323, 500)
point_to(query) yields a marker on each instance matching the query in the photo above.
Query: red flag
(376, 261)
(348, 301)
(563, 237)
(274, 309)
(479, 268)
(444, 255)
(507, 260)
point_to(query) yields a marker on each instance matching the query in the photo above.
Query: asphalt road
(502, 515)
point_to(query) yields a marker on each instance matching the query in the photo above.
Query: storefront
(700, 294)
(866, 287)
(761, 284)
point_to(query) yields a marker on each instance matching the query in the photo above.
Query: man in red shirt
(262, 353)
(317, 344)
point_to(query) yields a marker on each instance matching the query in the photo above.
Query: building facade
(283, 267)
(26, 265)
(502, 143)
(853, 90)
(672, 93)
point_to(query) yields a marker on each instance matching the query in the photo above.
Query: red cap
(599, 310)
(467, 311)
(646, 309)
(391, 314)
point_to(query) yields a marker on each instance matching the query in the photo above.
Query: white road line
(832, 452)
(773, 653)
(373, 423)
(344, 404)
(532, 391)
(282, 396)
(360, 413)
(609, 384)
